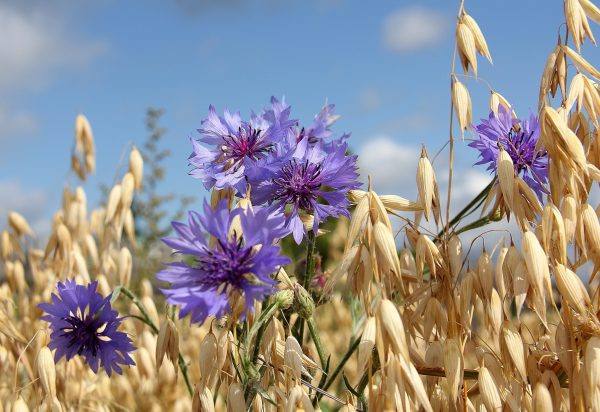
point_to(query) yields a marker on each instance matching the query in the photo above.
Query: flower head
(311, 178)
(235, 146)
(234, 265)
(518, 138)
(83, 323)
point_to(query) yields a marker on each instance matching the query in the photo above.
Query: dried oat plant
(287, 290)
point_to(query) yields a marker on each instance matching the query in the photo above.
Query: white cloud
(35, 42)
(16, 123)
(391, 165)
(413, 28)
(32, 203)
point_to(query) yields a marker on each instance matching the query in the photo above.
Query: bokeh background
(384, 64)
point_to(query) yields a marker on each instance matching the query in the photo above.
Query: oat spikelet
(367, 342)
(590, 10)
(392, 324)
(235, 398)
(453, 365)
(542, 401)
(19, 224)
(46, 371)
(582, 63)
(136, 167)
(496, 100)
(462, 104)
(592, 370)
(114, 199)
(465, 41)
(480, 42)
(506, 176)
(514, 343)
(577, 22)
(571, 288)
(489, 390)
(425, 183)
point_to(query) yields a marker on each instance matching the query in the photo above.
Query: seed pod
(466, 47)
(208, 355)
(114, 199)
(293, 357)
(462, 104)
(391, 322)
(46, 371)
(136, 167)
(496, 99)
(569, 214)
(506, 176)
(127, 188)
(425, 183)
(453, 365)
(489, 390)
(514, 344)
(235, 398)
(480, 43)
(18, 224)
(125, 266)
(455, 255)
(204, 401)
(536, 262)
(167, 343)
(367, 342)
(19, 406)
(542, 401)
(571, 288)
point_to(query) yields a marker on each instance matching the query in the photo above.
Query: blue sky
(384, 64)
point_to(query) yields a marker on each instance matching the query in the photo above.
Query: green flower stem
(258, 329)
(342, 363)
(145, 318)
(306, 280)
(310, 260)
(493, 217)
(314, 334)
(473, 205)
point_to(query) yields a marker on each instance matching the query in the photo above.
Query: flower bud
(284, 298)
(304, 305)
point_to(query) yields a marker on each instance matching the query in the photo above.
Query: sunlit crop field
(297, 285)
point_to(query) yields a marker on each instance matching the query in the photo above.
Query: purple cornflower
(518, 138)
(83, 323)
(236, 145)
(313, 178)
(234, 265)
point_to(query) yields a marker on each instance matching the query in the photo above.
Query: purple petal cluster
(83, 323)
(312, 178)
(232, 266)
(518, 138)
(297, 169)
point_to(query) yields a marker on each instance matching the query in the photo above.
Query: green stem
(473, 204)
(258, 330)
(310, 260)
(342, 363)
(309, 273)
(146, 319)
(314, 334)
(478, 223)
